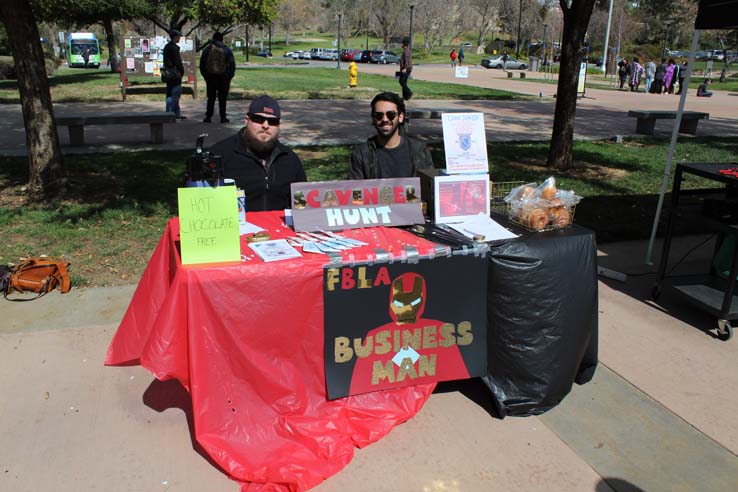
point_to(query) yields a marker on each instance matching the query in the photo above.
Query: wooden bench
(647, 120)
(77, 123)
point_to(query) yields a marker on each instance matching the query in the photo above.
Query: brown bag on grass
(39, 275)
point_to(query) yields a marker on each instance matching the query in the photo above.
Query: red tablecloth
(246, 340)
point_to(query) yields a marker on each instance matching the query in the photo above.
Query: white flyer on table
(277, 249)
(465, 143)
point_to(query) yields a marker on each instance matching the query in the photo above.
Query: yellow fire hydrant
(353, 74)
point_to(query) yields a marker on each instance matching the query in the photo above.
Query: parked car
(466, 45)
(316, 52)
(365, 56)
(497, 62)
(384, 57)
(296, 54)
(306, 55)
(348, 54)
(329, 55)
(265, 54)
(288, 54)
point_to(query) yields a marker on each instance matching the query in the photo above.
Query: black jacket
(364, 163)
(172, 59)
(230, 61)
(266, 189)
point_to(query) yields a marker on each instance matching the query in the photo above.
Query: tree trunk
(42, 141)
(576, 20)
(112, 49)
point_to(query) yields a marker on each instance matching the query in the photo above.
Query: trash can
(534, 63)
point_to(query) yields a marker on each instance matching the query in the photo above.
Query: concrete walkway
(658, 415)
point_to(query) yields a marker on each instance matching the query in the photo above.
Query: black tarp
(717, 14)
(542, 316)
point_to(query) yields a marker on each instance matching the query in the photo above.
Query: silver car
(497, 62)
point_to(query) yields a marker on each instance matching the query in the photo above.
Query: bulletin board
(144, 56)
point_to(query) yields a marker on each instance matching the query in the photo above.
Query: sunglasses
(259, 120)
(379, 116)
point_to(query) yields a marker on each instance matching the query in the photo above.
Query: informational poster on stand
(401, 324)
(460, 197)
(582, 79)
(336, 205)
(462, 72)
(465, 143)
(208, 225)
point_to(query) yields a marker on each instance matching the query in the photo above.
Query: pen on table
(475, 235)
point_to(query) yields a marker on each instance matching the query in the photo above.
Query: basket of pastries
(541, 207)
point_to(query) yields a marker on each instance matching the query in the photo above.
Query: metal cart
(709, 292)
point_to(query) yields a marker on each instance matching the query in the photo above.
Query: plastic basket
(498, 191)
(542, 217)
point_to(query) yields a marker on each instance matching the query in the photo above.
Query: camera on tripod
(203, 167)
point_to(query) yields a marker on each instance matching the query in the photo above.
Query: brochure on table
(465, 143)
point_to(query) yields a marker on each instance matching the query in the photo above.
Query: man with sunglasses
(256, 160)
(390, 153)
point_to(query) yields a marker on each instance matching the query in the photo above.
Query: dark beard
(258, 147)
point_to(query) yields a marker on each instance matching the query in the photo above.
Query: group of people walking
(664, 78)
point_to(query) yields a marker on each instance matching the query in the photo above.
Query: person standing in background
(173, 63)
(461, 56)
(636, 72)
(453, 55)
(682, 76)
(658, 79)
(406, 67)
(650, 71)
(217, 66)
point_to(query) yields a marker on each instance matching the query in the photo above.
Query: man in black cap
(217, 66)
(256, 160)
(173, 65)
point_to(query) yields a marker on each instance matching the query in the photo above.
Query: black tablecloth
(542, 315)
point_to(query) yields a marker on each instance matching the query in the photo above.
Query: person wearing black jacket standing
(217, 66)
(173, 63)
(406, 67)
(256, 160)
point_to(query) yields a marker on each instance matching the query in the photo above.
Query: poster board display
(400, 324)
(582, 79)
(464, 143)
(460, 197)
(208, 220)
(352, 204)
(144, 56)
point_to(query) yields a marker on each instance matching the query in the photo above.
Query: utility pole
(338, 58)
(607, 38)
(520, 19)
(544, 47)
(411, 27)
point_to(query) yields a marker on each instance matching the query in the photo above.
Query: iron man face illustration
(407, 298)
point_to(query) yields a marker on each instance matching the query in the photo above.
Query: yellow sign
(208, 225)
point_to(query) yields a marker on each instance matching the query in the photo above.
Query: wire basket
(542, 216)
(498, 191)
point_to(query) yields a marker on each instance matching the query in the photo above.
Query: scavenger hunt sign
(401, 324)
(208, 224)
(336, 205)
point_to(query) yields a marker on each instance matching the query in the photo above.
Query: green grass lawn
(113, 215)
(75, 85)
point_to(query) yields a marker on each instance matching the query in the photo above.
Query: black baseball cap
(265, 105)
